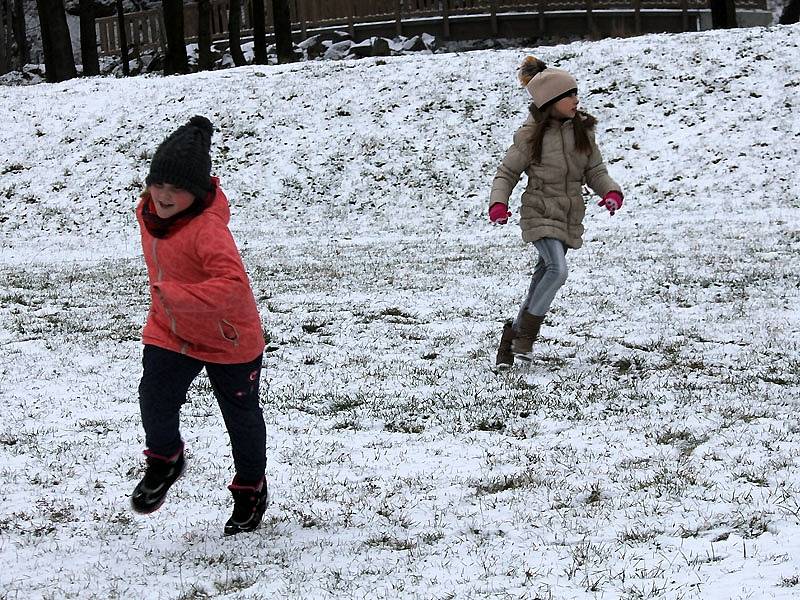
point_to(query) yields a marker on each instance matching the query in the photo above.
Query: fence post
(590, 17)
(399, 16)
(351, 12)
(446, 19)
(685, 14)
(162, 33)
(542, 28)
(105, 47)
(493, 8)
(637, 16)
(133, 30)
(301, 17)
(123, 39)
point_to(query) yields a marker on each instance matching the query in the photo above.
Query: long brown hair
(581, 123)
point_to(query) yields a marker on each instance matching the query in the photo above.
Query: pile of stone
(341, 46)
(338, 47)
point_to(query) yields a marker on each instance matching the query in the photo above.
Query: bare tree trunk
(176, 60)
(123, 39)
(791, 13)
(234, 32)
(723, 14)
(20, 34)
(282, 22)
(91, 63)
(259, 33)
(59, 63)
(13, 43)
(6, 37)
(205, 62)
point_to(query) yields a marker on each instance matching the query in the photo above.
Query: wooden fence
(146, 29)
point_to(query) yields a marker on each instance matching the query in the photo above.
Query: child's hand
(612, 201)
(499, 213)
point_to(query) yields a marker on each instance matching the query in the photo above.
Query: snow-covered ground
(652, 452)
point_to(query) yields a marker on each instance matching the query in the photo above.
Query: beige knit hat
(544, 84)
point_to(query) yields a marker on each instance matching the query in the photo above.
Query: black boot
(527, 330)
(249, 504)
(505, 358)
(161, 473)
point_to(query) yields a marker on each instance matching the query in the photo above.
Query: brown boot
(526, 333)
(505, 358)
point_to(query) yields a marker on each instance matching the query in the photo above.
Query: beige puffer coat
(552, 203)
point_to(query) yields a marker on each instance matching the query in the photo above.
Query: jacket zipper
(566, 163)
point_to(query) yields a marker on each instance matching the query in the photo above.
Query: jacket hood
(218, 205)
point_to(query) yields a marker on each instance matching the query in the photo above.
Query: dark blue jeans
(165, 381)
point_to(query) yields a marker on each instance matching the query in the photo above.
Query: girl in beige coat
(556, 149)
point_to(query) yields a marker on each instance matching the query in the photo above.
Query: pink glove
(499, 213)
(612, 201)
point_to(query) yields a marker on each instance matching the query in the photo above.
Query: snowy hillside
(652, 452)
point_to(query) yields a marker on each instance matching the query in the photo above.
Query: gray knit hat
(545, 84)
(183, 159)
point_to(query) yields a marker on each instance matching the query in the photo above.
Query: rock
(431, 43)
(338, 51)
(227, 61)
(307, 43)
(341, 36)
(372, 47)
(380, 47)
(362, 49)
(29, 75)
(312, 47)
(156, 63)
(135, 67)
(414, 44)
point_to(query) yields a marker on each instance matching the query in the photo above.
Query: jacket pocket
(534, 205)
(229, 331)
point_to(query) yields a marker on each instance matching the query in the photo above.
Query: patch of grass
(343, 402)
(684, 440)
(504, 483)
(196, 592)
(396, 312)
(237, 583)
(390, 542)
(490, 424)
(595, 494)
(669, 477)
(640, 534)
(790, 581)
(12, 168)
(404, 426)
(312, 327)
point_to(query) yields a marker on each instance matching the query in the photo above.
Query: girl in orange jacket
(202, 315)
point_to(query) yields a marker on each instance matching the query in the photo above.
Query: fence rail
(145, 29)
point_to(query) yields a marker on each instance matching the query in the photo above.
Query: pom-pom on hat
(545, 85)
(183, 159)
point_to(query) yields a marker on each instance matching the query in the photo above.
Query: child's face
(169, 200)
(566, 108)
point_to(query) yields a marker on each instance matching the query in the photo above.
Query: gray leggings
(549, 275)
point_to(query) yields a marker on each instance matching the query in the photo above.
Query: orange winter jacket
(201, 303)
